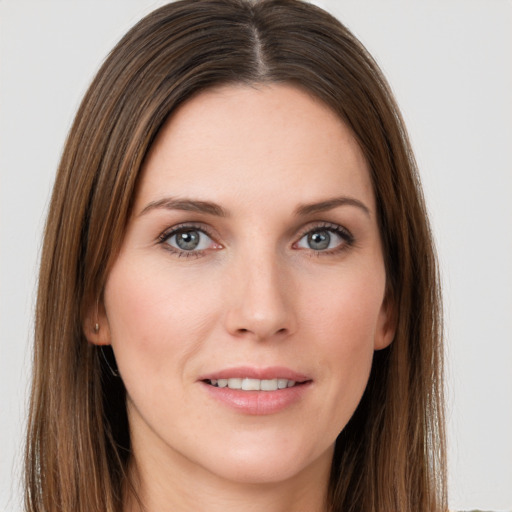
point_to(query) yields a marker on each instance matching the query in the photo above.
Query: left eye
(321, 240)
(189, 240)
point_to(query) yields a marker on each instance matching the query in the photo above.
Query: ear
(386, 324)
(95, 325)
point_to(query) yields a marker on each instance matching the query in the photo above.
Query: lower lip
(258, 402)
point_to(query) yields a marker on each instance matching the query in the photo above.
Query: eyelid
(315, 226)
(183, 226)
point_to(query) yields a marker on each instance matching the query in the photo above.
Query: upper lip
(250, 372)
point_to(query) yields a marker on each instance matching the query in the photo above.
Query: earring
(112, 371)
(97, 325)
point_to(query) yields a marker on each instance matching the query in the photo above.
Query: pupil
(187, 240)
(319, 240)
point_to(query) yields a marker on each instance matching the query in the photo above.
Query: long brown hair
(391, 455)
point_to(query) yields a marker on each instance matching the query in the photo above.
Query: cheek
(346, 311)
(155, 320)
(343, 322)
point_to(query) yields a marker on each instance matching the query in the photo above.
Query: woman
(238, 301)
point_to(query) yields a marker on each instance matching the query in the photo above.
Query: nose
(261, 300)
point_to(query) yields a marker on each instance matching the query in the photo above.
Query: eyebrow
(210, 208)
(190, 205)
(329, 204)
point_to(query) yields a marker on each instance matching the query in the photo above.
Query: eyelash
(343, 233)
(180, 228)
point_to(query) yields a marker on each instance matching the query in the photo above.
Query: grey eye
(187, 240)
(322, 239)
(319, 240)
(190, 240)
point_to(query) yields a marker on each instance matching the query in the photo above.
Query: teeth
(268, 385)
(247, 384)
(235, 383)
(282, 383)
(251, 385)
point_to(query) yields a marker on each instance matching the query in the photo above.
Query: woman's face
(252, 258)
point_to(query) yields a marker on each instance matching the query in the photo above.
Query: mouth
(257, 391)
(250, 384)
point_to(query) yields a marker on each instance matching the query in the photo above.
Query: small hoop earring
(112, 371)
(96, 328)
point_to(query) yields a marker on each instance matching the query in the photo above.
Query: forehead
(252, 142)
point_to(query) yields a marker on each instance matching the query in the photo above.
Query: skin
(256, 294)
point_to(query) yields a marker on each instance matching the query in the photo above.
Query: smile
(248, 384)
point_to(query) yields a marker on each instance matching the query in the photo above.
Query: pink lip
(273, 372)
(257, 402)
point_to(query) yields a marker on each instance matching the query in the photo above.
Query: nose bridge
(261, 303)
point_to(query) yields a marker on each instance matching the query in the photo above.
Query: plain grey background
(449, 63)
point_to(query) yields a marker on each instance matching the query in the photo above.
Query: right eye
(188, 240)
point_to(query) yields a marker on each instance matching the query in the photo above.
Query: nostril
(244, 331)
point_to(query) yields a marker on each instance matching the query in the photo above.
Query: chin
(271, 463)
